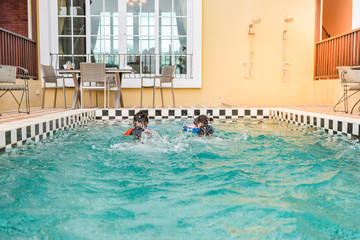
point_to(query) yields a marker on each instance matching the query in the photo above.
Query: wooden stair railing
(342, 50)
(16, 50)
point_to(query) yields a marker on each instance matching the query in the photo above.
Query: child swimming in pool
(140, 123)
(201, 128)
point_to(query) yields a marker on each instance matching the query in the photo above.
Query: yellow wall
(328, 92)
(7, 102)
(225, 46)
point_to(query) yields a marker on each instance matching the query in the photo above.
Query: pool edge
(17, 133)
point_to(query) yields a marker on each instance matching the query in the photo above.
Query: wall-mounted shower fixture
(287, 19)
(251, 36)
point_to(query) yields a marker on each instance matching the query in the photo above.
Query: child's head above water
(202, 127)
(141, 119)
(201, 121)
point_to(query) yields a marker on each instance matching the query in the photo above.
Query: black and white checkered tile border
(331, 124)
(216, 113)
(38, 131)
(46, 129)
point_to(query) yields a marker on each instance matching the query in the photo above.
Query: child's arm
(192, 129)
(128, 132)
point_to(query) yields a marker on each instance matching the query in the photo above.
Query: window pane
(78, 7)
(165, 26)
(144, 20)
(79, 45)
(180, 62)
(96, 7)
(78, 60)
(111, 6)
(111, 61)
(148, 64)
(134, 62)
(180, 7)
(105, 19)
(96, 45)
(151, 31)
(165, 61)
(134, 26)
(165, 21)
(111, 45)
(179, 45)
(147, 46)
(64, 25)
(130, 45)
(165, 45)
(165, 31)
(147, 6)
(165, 7)
(116, 19)
(133, 45)
(79, 26)
(107, 30)
(64, 7)
(152, 21)
(115, 31)
(129, 19)
(133, 7)
(179, 27)
(144, 31)
(95, 26)
(65, 45)
(108, 45)
(63, 60)
(129, 30)
(75, 60)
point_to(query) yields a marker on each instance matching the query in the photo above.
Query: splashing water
(251, 179)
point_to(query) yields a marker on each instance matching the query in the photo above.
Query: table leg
(77, 93)
(119, 97)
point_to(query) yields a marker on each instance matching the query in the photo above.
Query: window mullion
(140, 40)
(157, 36)
(88, 30)
(189, 38)
(122, 12)
(72, 27)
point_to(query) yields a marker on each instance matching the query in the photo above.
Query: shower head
(256, 20)
(288, 19)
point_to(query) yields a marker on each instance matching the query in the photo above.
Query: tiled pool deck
(17, 128)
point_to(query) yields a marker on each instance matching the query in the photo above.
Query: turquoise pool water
(252, 179)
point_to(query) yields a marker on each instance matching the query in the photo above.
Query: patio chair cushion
(12, 87)
(354, 88)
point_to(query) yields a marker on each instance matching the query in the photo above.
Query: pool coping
(330, 123)
(17, 133)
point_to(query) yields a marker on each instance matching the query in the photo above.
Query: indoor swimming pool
(252, 179)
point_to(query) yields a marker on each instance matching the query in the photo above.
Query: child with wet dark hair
(202, 127)
(140, 123)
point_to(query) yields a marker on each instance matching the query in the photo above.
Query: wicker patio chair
(8, 75)
(93, 73)
(51, 78)
(166, 77)
(111, 85)
(350, 81)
